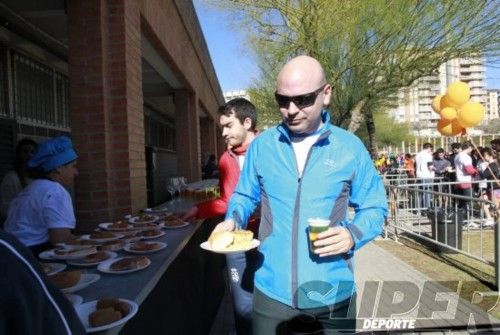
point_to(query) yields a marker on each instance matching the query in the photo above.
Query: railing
(436, 214)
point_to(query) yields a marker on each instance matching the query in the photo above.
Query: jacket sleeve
(247, 194)
(228, 178)
(369, 201)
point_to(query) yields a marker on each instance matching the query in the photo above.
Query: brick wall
(106, 108)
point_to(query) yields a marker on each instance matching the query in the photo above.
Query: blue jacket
(338, 172)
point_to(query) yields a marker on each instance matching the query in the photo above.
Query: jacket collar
(324, 132)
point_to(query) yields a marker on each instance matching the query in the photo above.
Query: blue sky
(234, 62)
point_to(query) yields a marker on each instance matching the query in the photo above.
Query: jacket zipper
(295, 227)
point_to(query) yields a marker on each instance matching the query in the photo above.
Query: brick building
(131, 81)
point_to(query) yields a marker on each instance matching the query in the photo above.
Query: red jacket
(229, 173)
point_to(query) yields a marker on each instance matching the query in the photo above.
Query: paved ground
(388, 286)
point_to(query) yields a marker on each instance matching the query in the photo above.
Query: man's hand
(334, 241)
(227, 225)
(190, 214)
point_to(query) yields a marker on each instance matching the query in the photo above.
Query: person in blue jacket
(307, 168)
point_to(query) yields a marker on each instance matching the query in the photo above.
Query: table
(179, 293)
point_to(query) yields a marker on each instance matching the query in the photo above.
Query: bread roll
(104, 316)
(66, 279)
(123, 308)
(220, 240)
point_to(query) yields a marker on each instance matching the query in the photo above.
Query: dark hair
(427, 146)
(455, 145)
(439, 151)
(489, 151)
(242, 109)
(495, 141)
(466, 145)
(19, 165)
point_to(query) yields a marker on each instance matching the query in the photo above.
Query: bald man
(302, 169)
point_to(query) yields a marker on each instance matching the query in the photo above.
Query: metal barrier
(435, 214)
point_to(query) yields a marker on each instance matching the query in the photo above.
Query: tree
(389, 132)
(369, 48)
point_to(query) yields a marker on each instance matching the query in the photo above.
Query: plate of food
(111, 245)
(72, 281)
(142, 247)
(116, 226)
(151, 234)
(101, 236)
(93, 259)
(147, 226)
(74, 299)
(51, 268)
(103, 314)
(227, 242)
(124, 265)
(174, 223)
(63, 253)
(143, 218)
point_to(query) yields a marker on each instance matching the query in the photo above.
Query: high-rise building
(415, 102)
(493, 101)
(229, 95)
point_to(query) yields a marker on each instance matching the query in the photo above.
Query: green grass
(452, 267)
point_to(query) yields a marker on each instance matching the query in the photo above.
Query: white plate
(135, 218)
(152, 237)
(105, 266)
(205, 245)
(85, 280)
(50, 254)
(74, 299)
(107, 239)
(162, 246)
(54, 268)
(175, 227)
(78, 262)
(106, 226)
(84, 310)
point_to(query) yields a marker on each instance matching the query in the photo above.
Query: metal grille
(3, 83)
(40, 93)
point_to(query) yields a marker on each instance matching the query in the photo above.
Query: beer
(316, 226)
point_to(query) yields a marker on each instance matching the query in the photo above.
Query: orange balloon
(471, 114)
(436, 103)
(458, 93)
(448, 113)
(449, 128)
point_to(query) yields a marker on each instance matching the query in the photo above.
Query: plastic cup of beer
(316, 226)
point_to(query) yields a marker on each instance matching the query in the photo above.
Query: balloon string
(484, 160)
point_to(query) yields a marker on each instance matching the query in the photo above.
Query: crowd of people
(470, 171)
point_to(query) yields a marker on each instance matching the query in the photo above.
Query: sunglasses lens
(306, 100)
(282, 100)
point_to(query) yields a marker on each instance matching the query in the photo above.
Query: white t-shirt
(42, 205)
(301, 147)
(462, 160)
(422, 161)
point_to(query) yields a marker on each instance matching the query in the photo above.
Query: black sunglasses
(301, 101)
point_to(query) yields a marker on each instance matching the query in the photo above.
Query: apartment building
(493, 100)
(414, 102)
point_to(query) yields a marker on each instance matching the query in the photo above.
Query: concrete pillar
(187, 135)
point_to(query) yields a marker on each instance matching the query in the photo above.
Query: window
(40, 94)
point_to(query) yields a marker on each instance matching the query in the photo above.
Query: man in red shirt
(238, 119)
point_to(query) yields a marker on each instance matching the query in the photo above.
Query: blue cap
(53, 153)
